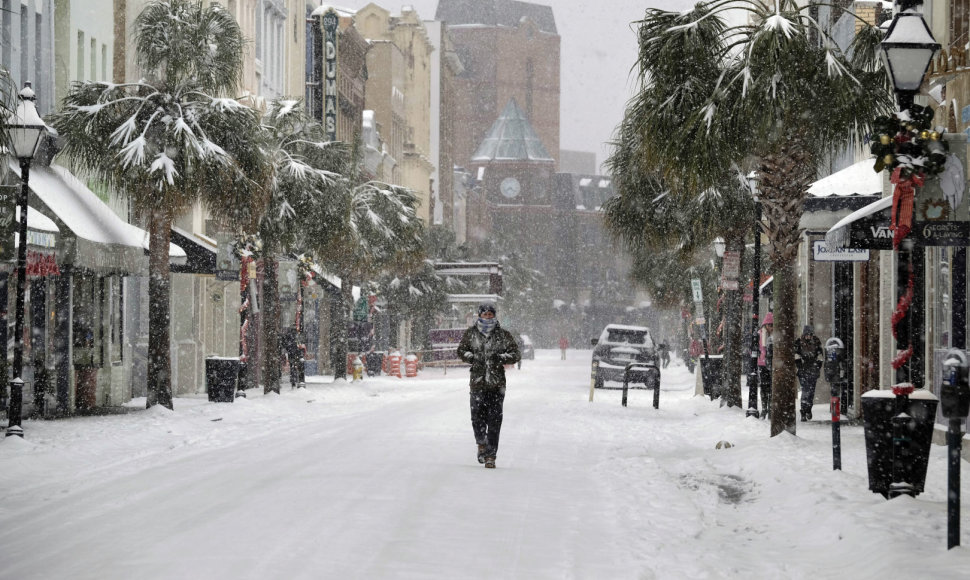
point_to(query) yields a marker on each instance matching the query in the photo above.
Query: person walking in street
(488, 348)
(664, 349)
(563, 345)
(764, 362)
(808, 365)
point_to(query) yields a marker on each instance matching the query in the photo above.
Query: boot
(490, 462)
(481, 454)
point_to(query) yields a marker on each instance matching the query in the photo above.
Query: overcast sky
(599, 49)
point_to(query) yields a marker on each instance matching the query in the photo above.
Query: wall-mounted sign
(822, 253)
(940, 211)
(330, 24)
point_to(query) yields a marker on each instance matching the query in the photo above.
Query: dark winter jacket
(808, 353)
(488, 355)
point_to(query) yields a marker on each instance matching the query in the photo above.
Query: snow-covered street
(379, 479)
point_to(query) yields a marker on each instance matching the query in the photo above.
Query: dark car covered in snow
(619, 345)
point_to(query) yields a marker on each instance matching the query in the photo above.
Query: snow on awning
(865, 228)
(103, 242)
(856, 179)
(200, 252)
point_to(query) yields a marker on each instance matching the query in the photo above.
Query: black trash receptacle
(711, 372)
(221, 378)
(878, 410)
(372, 362)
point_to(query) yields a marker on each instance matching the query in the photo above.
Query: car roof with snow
(622, 333)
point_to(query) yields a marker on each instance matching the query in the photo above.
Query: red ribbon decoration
(903, 196)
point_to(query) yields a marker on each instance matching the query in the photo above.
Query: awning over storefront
(200, 253)
(864, 229)
(93, 237)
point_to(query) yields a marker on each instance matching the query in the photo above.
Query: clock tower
(513, 167)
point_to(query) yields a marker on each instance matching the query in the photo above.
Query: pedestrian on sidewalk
(488, 348)
(808, 365)
(563, 345)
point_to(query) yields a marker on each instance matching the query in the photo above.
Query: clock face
(510, 187)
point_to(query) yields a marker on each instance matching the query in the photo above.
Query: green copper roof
(512, 138)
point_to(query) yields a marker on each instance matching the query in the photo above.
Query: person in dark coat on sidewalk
(488, 348)
(808, 365)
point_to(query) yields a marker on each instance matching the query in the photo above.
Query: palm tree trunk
(339, 327)
(159, 296)
(732, 334)
(271, 323)
(784, 383)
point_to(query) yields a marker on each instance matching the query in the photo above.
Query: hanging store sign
(822, 253)
(330, 23)
(227, 263)
(288, 279)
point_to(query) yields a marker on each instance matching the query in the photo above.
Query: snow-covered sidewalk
(378, 479)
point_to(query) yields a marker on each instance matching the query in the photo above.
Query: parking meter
(955, 390)
(834, 374)
(834, 356)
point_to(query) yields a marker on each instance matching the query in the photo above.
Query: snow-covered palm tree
(175, 137)
(380, 232)
(774, 94)
(303, 195)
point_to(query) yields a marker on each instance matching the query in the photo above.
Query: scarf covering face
(486, 325)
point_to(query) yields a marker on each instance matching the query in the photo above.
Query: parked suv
(618, 346)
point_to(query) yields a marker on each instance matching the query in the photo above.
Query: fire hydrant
(358, 369)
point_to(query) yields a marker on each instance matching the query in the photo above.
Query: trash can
(373, 363)
(711, 373)
(913, 446)
(221, 377)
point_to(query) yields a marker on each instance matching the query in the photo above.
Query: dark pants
(808, 391)
(486, 407)
(764, 385)
(294, 355)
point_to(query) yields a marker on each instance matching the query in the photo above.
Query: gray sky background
(599, 49)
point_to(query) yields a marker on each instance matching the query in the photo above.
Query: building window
(80, 56)
(959, 23)
(104, 62)
(529, 74)
(94, 60)
(24, 44)
(6, 43)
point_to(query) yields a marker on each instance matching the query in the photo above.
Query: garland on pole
(908, 147)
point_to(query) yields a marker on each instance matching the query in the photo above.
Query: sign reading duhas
(330, 24)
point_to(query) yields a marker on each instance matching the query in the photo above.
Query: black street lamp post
(26, 129)
(755, 302)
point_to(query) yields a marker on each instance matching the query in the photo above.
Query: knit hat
(486, 307)
(769, 319)
(808, 329)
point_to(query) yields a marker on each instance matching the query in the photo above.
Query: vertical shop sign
(330, 22)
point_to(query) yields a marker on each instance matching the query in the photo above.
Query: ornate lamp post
(899, 423)
(26, 129)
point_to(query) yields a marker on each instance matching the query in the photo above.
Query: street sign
(731, 266)
(695, 287)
